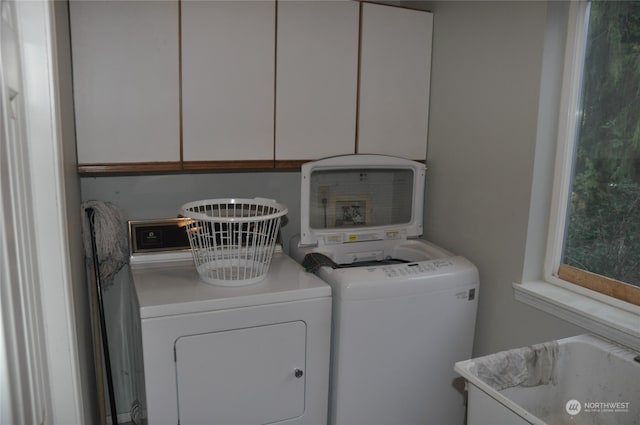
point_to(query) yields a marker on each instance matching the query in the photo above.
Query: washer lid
(361, 197)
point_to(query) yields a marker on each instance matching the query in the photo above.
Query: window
(595, 242)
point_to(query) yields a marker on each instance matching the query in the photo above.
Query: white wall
(486, 73)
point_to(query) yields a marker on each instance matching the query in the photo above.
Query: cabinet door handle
(298, 373)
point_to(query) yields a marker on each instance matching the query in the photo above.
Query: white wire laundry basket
(232, 240)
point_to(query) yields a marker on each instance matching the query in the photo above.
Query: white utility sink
(579, 380)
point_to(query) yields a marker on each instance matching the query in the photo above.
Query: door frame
(51, 389)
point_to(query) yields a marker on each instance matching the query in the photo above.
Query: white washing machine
(254, 354)
(403, 309)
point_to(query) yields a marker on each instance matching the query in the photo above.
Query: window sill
(611, 322)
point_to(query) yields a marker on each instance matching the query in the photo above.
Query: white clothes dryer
(254, 354)
(403, 309)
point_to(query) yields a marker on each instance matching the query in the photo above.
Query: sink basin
(579, 380)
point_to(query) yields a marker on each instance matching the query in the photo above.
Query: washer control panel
(413, 269)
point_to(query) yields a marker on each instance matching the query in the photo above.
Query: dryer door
(244, 376)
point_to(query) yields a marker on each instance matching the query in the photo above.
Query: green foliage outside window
(603, 232)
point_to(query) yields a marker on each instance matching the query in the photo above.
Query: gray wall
(72, 194)
(485, 89)
(485, 96)
(161, 196)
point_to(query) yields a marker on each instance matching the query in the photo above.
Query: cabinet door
(245, 376)
(126, 86)
(394, 81)
(228, 54)
(317, 67)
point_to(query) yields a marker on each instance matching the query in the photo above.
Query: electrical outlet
(323, 194)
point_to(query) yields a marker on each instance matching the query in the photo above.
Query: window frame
(539, 286)
(617, 293)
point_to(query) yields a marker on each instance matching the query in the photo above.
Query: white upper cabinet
(228, 62)
(170, 85)
(317, 71)
(394, 81)
(126, 80)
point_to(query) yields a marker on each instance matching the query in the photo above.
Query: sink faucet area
(582, 380)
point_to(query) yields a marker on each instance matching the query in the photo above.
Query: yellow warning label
(353, 238)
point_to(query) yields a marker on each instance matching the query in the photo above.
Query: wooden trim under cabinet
(85, 170)
(128, 167)
(256, 164)
(123, 168)
(289, 164)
